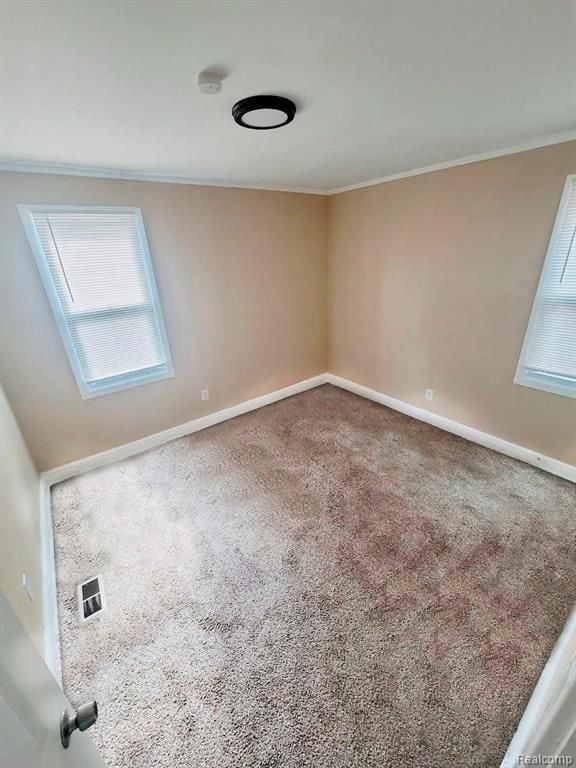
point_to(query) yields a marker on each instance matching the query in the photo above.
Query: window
(548, 357)
(96, 269)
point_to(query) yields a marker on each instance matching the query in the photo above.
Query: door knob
(83, 718)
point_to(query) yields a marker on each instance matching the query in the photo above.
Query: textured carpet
(323, 582)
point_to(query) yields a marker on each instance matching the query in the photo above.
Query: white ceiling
(382, 87)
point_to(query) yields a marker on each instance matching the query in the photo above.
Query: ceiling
(382, 87)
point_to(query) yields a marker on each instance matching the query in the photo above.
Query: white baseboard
(548, 721)
(50, 606)
(66, 471)
(555, 467)
(565, 648)
(547, 463)
(52, 655)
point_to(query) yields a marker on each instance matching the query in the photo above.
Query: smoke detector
(210, 82)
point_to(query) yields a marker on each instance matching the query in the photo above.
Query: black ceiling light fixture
(263, 113)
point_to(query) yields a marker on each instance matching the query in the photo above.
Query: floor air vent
(91, 598)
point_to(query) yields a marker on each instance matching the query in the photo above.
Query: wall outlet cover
(27, 587)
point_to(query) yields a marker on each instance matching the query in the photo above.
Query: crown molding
(15, 166)
(547, 141)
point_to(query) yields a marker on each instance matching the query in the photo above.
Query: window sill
(555, 385)
(127, 381)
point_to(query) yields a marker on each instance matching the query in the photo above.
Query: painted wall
(431, 283)
(242, 280)
(20, 549)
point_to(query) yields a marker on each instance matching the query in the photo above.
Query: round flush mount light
(262, 113)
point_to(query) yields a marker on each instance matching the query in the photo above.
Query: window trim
(114, 383)
(557, 385)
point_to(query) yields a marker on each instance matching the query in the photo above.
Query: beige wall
(431, 282)
(19, 526)
(242, 279)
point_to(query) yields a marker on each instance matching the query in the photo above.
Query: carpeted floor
(322, 583)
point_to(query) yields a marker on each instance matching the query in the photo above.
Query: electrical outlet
(429, 394)
(27, 587)
(205, 394)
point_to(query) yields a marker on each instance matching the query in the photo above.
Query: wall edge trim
(120, 174)
(498, 444)
(97, 460)
(52, 654)
(67, 471)
(545, 141)
(125, 174)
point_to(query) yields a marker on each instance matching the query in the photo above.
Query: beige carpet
(323, 583)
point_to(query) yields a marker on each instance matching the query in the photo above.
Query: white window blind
(97, 272)
(548, 357)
